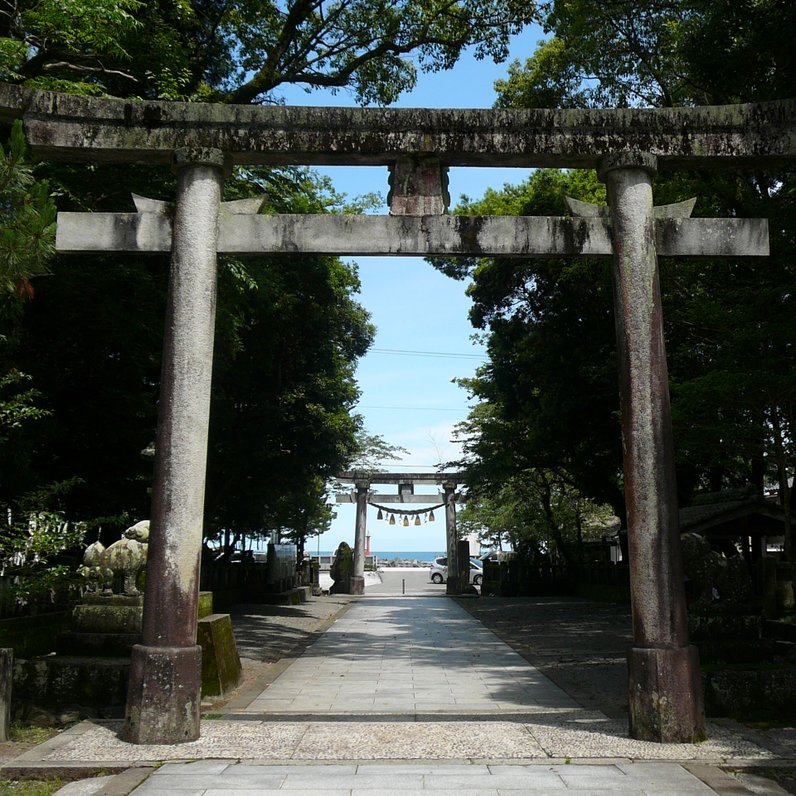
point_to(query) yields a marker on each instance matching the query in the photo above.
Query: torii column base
(453, 586)
(665, 695)
(357, 584)
(163, 701)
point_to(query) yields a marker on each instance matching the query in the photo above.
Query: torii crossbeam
(362, 481)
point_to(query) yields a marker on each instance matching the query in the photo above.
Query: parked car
(439, 571)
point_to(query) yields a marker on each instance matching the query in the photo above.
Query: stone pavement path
(222, 779)
(393, 655)
(411, 695)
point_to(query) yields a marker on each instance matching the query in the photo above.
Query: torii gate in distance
(362, 481)
(626, 146)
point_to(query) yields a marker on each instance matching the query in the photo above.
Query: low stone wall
(59, 689)
(54, 689)
(744, 693)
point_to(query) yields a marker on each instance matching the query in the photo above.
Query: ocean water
(387, 555)
(411, 555)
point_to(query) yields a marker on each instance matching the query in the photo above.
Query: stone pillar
(463, 560)
(453, 583)
(360, 531)
(665, 687)
(165, 675)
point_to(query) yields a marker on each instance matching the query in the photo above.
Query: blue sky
(409, 398)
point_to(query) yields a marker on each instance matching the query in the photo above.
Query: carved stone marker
(342, 569)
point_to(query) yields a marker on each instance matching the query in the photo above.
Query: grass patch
(27, 733)
(29, 787)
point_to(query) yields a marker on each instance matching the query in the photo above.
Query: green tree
(284, 392)
(729, 325)
(656, 53)
(243, 51)
(288, 334)
(27, 223)
(550, 387)
(372, 450)
(538, 513)
(288, 331)
(65, 44)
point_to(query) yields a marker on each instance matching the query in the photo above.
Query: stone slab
(107, 618)
(505, 236)
(221, 667)
(94, 129)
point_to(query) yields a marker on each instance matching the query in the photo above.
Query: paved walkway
(418, 656)
(409, 695)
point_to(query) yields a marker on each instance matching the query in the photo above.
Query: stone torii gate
(202, 141)
(362, 481)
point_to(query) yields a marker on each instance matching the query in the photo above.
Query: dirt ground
(580, 645)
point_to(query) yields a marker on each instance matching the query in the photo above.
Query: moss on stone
(221, 668)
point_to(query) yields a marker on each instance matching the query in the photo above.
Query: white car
(439, 571)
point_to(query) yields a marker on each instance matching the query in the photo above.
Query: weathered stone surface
(93, 687)
(163, 698)
(505, 236)
(418, 187)
(665, 695)
(342, 569)
(665, 699)
(91, 128)
(165, 675)
(453, 583)
(205, 604)
(221, 667)
(741, 692)
(360, 532)
(588, 210)
(117, 568)
(107, 618)
(126, 559)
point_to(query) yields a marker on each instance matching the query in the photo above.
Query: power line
(393, 464)
(417, 408)
(441, 354)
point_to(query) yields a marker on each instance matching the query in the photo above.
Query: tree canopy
(656, 53)
(289, 329)
(243, 51)
(549, 391)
